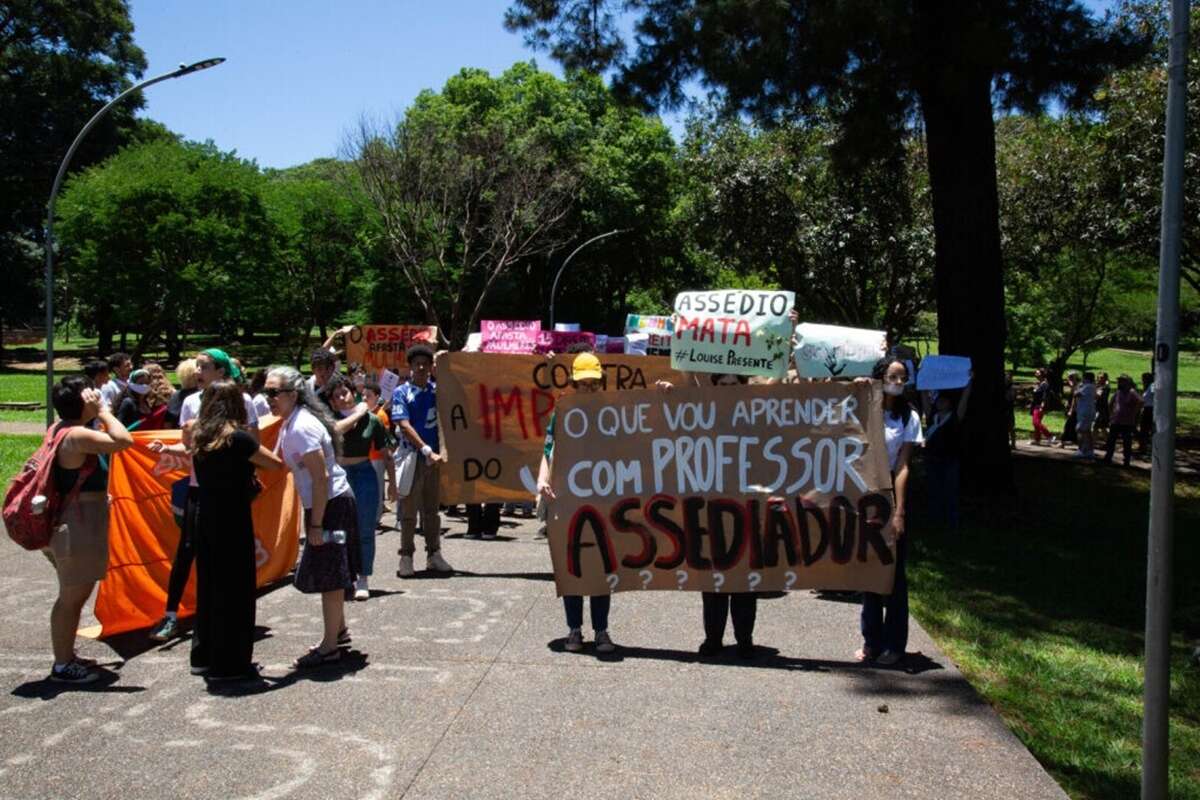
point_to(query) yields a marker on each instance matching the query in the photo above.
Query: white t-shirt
(191, 409)
(302, 434)
(1085, 400)
(896, 432)
(110, 391)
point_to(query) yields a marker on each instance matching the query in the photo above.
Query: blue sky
(301, 72)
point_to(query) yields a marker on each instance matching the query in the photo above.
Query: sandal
(344, 636)
(864, 654)
(315, 658)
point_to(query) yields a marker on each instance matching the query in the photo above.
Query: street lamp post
(58, 179)
(554, 288)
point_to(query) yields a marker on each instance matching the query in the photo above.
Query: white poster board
(739, 331)
(831, 351)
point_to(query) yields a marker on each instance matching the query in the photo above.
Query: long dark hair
(901, 408)
(222, 412)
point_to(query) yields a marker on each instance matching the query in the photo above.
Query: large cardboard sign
(944, 372)
(733, 330)
(657, 330)
(509, 335)
(378, 347)
(493, 411)
(831, 351)
(722, 489)
(143, 536)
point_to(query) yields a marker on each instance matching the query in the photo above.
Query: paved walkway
(460, 688)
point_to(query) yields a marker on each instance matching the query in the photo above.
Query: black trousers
(1126, 434)
(741, 606)
(223, 639)
(483, 518)
(185, 554)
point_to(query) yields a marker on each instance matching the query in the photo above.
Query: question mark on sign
(613, 580)
(791, 578)
(754, 579)
(682, 576)
(718, 581)
(646, 576)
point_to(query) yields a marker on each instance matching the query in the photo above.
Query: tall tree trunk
(961, 138)
(104, 331)
(172, 339)
(124, 341)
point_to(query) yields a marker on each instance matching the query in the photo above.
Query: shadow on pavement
(352, 661)
(524, 576)
(46, 689)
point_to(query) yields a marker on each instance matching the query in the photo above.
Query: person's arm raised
(113, 439)
(346, 424)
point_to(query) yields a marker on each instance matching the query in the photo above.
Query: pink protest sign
(510, 335)
(560, 341)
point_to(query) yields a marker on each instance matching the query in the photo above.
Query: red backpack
(26, 526)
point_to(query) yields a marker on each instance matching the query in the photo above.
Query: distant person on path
(79, 547)
(186, 373)
(943, 453)
(308, 443)
(1085, 411)
(1102, 400)
(1037, 409)
(885, 617)
(1146, 418)
(224, 455)
(1069, 433)
(586, 375)
(1123, 414)
(414, 413)
(119, 367)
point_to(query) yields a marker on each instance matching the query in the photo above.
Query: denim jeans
(943, 490)
(885, 617)
(365, 485)
(600, 603)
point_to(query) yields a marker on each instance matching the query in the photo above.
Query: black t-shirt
(356, 443)
(129, 412)
(229, 468)
(945, 440)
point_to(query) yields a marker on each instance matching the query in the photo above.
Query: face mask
(139, 388)
(894, 389)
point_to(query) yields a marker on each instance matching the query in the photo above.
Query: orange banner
(143, 536)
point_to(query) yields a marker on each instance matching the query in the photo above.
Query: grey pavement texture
(459, 688)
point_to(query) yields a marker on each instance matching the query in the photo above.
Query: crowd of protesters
(1094, 410)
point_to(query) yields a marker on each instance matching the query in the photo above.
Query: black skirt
(330, 566)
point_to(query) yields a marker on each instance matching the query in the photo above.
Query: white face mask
(894, 389)
(139, 388)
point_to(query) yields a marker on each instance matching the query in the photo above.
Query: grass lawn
(1041, 603)
(14, 452)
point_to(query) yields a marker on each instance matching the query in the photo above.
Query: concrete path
(460, 688)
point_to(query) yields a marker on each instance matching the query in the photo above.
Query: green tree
(877, 65)
(166, 238)
(60, 61)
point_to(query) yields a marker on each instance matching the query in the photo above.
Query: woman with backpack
(79, 546)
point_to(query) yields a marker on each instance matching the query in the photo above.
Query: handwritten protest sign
(509, 335)
(657, 330)
(727, 490)
(382, 346)
(493, 411)
(944, 372)
(734, 330)
(559, 341)
(831, 351)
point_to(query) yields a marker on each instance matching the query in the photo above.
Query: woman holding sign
(885, 617)
(586, 375)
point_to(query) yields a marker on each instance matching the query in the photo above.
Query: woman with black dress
(225, 454)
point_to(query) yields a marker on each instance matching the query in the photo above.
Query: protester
(1123, 415)
(1069, 434)
(1085, 408)
(142, 405)
(186, 373)
(885, 617)
(943, 453)
(483, 520)
(586, 375)
(414, 413)
(79, 546)
(255, 390)
(97, 373)
(224, 455)
(360, 430)
(1146, 417)
(1102, 400)
(212, 365)
(324, 365)
(119, 367)
(308, 443)
(1037, 409)
(382, 461)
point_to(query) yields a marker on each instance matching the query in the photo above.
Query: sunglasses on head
(271, 391)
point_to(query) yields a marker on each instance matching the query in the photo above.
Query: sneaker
(470, 535)
(491, 536)
(73, 672)
(87, 662)
(574, 641)
(361, 592)
(166, 629)
(437, 563)
(406, 568)
(197, 670)
(604, 642)
(708, 648)
(889, 658)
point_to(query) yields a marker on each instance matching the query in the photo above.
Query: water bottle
(337, 537)
(38, 504)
